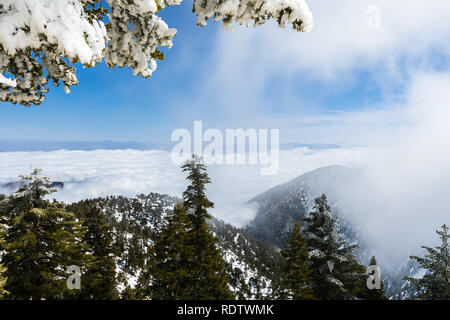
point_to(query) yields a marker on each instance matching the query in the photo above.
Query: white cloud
(365, 126)
(341, 40)
(403, 196)
(273, 78)
(128, 172)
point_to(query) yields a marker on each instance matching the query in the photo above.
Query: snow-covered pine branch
(41, 40)
(36, 186)
(295, 12)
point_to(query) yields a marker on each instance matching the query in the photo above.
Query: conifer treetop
(35, 186)
(195, 199)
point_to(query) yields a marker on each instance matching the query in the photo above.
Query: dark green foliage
(135, 254)
(207, 272)
(135, 223)
(100, 277)
(353, 275)
(195, 197)
(372, 294)
(42, 240)
(39, 246)
(2, 282)
(171, 260)
(208, 280)
(335, 271)
(435, 284)
(295, 270)
(128, 294)
(2, 270)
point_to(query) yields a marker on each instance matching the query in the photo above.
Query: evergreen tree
(353, 275)
(35, 188)
(295, 267)
(372, 294)
(208, 269)
(171, 259)
(100, 277)
(128, 294)
(42, 240)
(2, 270)
(2, 282)
(135, 258)
(195, 195)
(435, 284)
(336, 274)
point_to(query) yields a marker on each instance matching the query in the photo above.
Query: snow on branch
(7, 81)
(41, 40)
(45, 34)
(135, 34)
(295, 12)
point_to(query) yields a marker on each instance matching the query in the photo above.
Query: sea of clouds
(88, 174)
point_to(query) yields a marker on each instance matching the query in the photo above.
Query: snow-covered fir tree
(41, 241)
(35, 188)
(336, 274)
(435, 284)
(41, 40)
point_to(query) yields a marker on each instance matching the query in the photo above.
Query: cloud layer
(342, 73)
(403, 195)
(89, 174)
(341, 40)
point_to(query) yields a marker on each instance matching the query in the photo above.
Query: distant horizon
(19, 145)
(129, 172)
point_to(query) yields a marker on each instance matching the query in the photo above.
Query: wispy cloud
(270, 77)
(341, 42)
(402, 196)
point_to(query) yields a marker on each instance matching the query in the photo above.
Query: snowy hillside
(137, 222)
(281, 206)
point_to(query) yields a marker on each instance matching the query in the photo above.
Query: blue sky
(114, 104)
(316, 87)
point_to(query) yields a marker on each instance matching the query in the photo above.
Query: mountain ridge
(282, 205)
